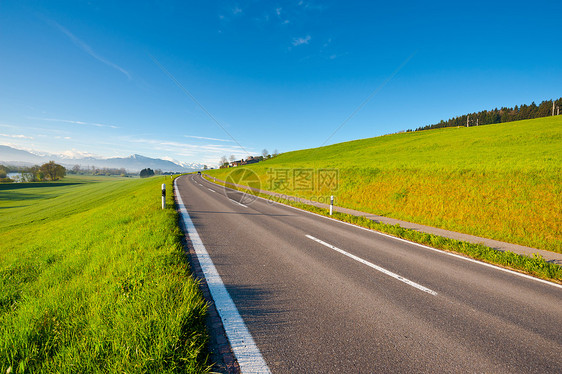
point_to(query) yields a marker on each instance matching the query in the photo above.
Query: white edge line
(376, 267)
(418, 244)
(236, 202)
(243, 345)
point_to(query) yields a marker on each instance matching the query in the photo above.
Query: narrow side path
(495, 244)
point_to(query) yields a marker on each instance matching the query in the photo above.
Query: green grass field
(93, 278)
(499, 181)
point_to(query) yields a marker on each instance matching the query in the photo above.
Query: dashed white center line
(376, 267)
(211, 190)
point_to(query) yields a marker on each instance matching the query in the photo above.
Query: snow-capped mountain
(134, 163)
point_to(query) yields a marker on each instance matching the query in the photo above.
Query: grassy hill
(93, 278)
(500, 181)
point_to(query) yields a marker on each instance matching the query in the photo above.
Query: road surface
(321, 296)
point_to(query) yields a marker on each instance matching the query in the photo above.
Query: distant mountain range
(135, 163)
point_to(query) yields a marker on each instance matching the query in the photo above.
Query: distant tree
(145, 173)
(31, 174)
(158, 171)
(264, 153)
(4, 175)
(76, 169)
(205, 167)
(232, 158)
(275, 153)
(52, 171)
(544, 109)
(223, 160)
(533, 110)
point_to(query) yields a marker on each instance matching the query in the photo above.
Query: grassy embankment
(499, 181)
(536, 265)
(93, 278)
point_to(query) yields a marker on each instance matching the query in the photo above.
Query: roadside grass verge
(501, 181)
(535, 266)
(94, 278)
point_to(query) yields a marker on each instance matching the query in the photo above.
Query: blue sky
(111, 78)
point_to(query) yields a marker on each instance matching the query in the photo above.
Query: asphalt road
(321, 296)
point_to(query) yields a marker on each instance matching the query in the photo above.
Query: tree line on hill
(487, 117)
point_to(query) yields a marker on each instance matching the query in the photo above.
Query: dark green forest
(487, 117)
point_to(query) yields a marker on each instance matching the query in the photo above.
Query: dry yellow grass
(499, 181)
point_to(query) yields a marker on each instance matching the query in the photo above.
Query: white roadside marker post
(163, 195)
(331, 204)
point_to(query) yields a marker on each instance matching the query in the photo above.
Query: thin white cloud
(179, 148)
(310, 5)
(228, 14)
(34, 129)
(170, 159)
(278, 12)
(16, 136)
(74, 153)
(205, 138)
(86, 48)
(75, 122)
(301, 41)
(16, 146)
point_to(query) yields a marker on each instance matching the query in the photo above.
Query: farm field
(500, 181)
(93, 278)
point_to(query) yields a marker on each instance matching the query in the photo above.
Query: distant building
(252, 160)
(249, 160)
